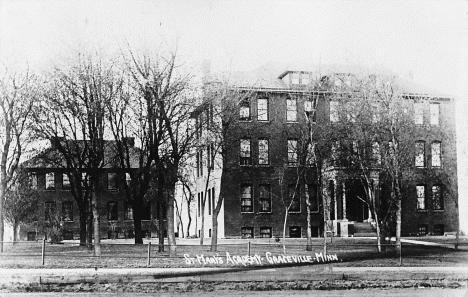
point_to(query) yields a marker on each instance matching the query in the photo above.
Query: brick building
(264, 146)
(55, 192)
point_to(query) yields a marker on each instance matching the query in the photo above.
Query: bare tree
(18, 92)
(374, 133)
(172, 98)
(75, 106)
(21, 202)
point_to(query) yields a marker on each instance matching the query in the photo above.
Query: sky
(426, 40)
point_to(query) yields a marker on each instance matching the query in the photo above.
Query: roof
(269, 76)
(50, 157)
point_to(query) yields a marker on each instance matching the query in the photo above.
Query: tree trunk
(398, 226)
(189, 223)
(89, 225)
(170, 221)
(97, 235)
(202, 230)
(377, 225)
(15, 231)
(2, 197)
(309, 230)
(137, 221)
(83, 221)
(214, 237)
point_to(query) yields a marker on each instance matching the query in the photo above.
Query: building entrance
(356, 209)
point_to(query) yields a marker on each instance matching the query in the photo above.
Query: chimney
(205, 69)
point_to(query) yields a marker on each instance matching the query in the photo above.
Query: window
(310, 157)
(213, 203)
(420, 157)
(305, 78)
(246, 198)
(309, 109)
(50, 181)
(210, 156)
(422, 230)
(435, 109)
(245, 156)
(209, 202)
(84, 179)
(49, 211)
(295, 232)
(67, 211)
(263, 152)
(264, 198)
(146, 211)
(437, 198)
(31, 236)
(244, 110)
(291, 110)
(294, 201)
(198, 164)
(376, 152)
(419, 113)
(295, 78)
(292, 152)
(128, 214)
(436, 159)
(247, 232)
(262, 109)
(313, 198)
(265, 232)
(375, 113)
(421, 195)
(439, 229)
(112, 181)
(199, 204)
(334, 116)
(33, 180)
(65, 182)
(201, 162)
(67, 235)
(128, 178)
(112, 211)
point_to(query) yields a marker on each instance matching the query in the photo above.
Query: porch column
(335, 191)
(344, 200)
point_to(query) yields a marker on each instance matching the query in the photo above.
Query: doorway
(356, 209)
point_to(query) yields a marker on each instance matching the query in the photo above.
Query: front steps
(363, 230)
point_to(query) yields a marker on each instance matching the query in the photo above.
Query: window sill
(245, 121)
(247, 212)
(438, 210)
(264, 212)
(422, 210)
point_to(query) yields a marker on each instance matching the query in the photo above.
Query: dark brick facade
(278, 130)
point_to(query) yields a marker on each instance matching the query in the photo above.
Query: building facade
(58, 205)
(264, 187)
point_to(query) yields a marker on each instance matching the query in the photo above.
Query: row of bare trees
(141, 102)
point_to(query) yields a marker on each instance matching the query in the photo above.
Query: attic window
(295, 78)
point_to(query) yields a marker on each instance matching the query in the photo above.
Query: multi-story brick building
(55, 192)
(264, 144)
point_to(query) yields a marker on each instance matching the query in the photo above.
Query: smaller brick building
(52, 180)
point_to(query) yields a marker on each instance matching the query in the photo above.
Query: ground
(352, 252)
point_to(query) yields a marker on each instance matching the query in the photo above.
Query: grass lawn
(123, 254)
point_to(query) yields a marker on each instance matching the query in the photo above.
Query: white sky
(428, 38)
